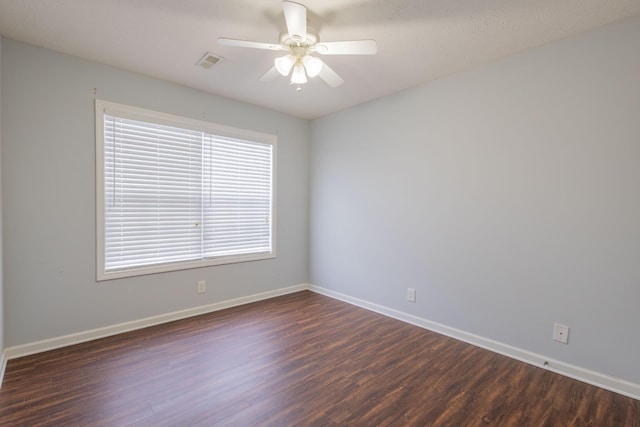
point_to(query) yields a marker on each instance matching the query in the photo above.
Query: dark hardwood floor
(297, 360)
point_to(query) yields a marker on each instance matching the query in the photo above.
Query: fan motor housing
(312, 39)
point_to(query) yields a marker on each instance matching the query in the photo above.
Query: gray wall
(48, 165)
(507, 196)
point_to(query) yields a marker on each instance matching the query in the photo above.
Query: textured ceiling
(418, 40)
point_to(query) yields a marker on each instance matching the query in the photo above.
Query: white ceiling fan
(301, 42)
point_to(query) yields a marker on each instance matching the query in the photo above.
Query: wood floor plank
(297, 360)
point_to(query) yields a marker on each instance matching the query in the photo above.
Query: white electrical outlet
(411, 295)
(202, 286)
(561, 333)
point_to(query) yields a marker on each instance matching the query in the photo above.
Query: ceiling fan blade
(295, 15)
(355, 47)
(247, 43)
(329, 76)
(270, 75)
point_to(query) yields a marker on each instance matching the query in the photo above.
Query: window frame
(103, 107)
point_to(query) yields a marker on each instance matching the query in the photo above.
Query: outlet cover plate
(411, 295)
(202, 286)
(561, 333)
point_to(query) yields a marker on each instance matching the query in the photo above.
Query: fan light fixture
(298, 76)
(307, 66)
(284, 64)
(312, 65)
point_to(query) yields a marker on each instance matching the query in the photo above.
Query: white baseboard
(80, 337)
(597, 379)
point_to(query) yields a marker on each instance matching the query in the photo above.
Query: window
(176, 193)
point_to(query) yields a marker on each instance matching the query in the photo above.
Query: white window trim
(141, 114)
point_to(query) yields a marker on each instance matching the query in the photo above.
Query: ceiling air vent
(208, 60)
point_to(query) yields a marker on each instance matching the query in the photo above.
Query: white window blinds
(237, 197)
(176, 197)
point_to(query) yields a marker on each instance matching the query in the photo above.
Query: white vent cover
(208, 60)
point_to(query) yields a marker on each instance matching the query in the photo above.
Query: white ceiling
(418, 40)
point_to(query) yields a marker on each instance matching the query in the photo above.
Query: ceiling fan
(301, 42)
